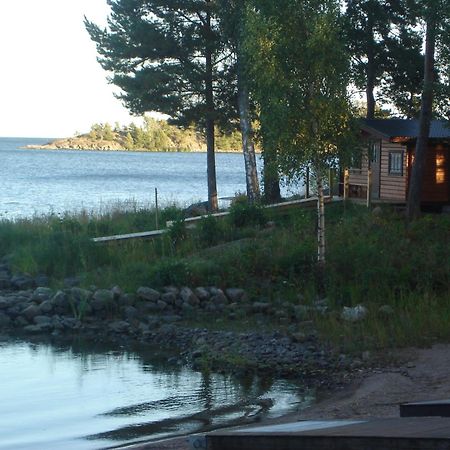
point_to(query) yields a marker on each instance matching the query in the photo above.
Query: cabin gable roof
(404, 129)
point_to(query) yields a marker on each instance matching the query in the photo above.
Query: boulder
(219, 299)
(354, 314)
(42, 281)
(43, 320)
(4, 303)
(261, 307)
(46, 307)
(148, 294)
(5, 281)
(31, 312)
(130, 312)
(386, 311)
(42, 294)
(102, 299)
(70, 282)
(188, 296)
(5, 321)
(235, 294)
(22, 282)
(202, 294)
(119, 326)
(169, 297)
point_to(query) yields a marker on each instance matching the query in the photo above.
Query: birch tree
(300, 69)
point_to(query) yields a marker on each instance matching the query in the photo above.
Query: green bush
(243, 214)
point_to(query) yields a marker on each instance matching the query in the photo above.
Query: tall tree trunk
(251, 170)
(320, 222)
(426, 111)
(210, 119)
(272, 193)
(370, 71)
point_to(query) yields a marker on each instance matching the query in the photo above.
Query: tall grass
(371, 259)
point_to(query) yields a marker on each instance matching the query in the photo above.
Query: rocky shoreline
(167, 318)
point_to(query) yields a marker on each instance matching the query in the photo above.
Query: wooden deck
(430, 433)
(191, 221)
(438, 408)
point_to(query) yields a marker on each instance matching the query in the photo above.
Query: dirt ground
(421, 374)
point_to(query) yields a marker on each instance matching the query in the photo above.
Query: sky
(51, 84)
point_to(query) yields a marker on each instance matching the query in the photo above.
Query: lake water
(44, 181)
(77, 397)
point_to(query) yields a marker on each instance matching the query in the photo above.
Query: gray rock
(117, 292)
(354, 314)
(161, 305)
(202, 294)
(33, 329)
(169, 297)
(188, 296)
(46, 307)
(171, 289)
(215, 291)
(299, 337)
(60, 299)
(219, 299)
(31, 312)
(4, 303)
(261, 307)
(70, 282)
(79, 295)
(20, 322)
(22, 282)
(148, 294)
(171, 318)
(42, 294)
(147, 307)
(235, 294)
(386, 311)
(102, 299)
(130, 313)
(42, 320)
(5, 282)
(5, 321)
(119, 326)
(377, 211)
(42, 281)
(127, 300)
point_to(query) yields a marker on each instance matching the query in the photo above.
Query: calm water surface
(43, 181)
(73, 397)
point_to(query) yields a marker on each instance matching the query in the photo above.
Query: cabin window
(440, 168)
(374, 151)
(396, 163)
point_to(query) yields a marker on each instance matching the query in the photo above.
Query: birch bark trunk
(248, 148)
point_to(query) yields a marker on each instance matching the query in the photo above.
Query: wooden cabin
(390, 145)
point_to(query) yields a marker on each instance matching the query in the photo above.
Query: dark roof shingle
(408, 128)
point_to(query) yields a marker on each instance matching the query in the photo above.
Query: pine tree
(165, 55)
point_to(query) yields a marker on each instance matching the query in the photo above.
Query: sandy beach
(417, 375)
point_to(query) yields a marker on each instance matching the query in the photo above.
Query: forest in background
(159, 135)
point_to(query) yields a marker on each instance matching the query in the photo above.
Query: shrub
(243, 214)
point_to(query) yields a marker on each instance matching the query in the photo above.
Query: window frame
(393, 169)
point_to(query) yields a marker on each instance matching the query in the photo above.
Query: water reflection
(83, 396)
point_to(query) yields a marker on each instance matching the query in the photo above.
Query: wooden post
(307, 183)
(346, 183)
(156, 209)
(369, 187)
(330, 184)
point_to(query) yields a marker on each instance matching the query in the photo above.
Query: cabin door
(374, 164)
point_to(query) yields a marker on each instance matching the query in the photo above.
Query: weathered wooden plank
(124, 237)
(303, 203)
(429, 433)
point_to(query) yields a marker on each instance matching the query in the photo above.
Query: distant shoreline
(85, 144)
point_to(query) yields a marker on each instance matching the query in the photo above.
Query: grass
(371, 259)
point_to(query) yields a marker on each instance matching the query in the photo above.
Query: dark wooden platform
(430, 433)
(439, 408)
